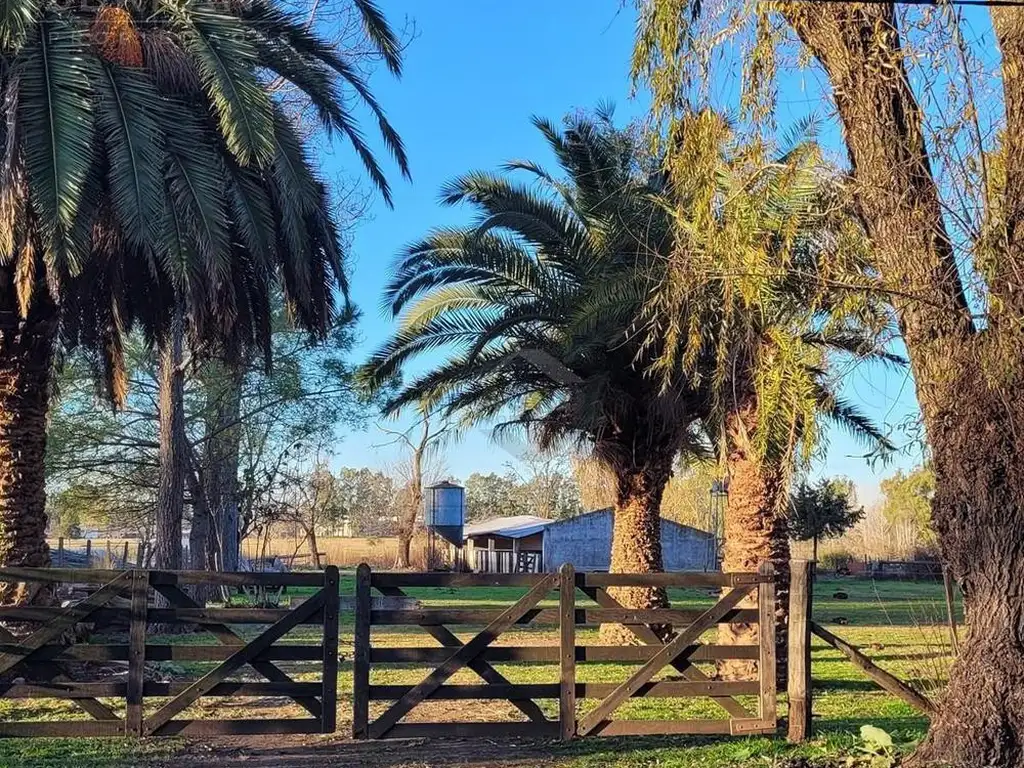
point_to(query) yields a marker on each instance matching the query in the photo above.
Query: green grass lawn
(901, 625)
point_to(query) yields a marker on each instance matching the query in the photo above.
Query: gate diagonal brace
(650, 668)
(648, 637)
(226, 636)
(486, 672)
(462, 657)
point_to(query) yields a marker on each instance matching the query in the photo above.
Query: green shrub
(836, 561)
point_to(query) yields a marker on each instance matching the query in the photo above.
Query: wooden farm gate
(119, 606)
(479, 653)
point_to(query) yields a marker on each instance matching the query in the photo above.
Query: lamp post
(718, 494)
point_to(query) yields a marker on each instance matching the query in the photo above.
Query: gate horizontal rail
(680, 651)
(124, 601)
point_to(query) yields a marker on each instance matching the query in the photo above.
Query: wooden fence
(123, 601)
(799, 683)
(680, 651)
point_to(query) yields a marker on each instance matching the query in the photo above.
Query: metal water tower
(444, 514)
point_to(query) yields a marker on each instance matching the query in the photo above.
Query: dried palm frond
(170, 67)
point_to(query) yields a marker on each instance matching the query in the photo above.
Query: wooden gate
(681, 652)
(121, 602)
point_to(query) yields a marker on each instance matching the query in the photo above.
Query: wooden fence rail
(123, 601)
(680, 650)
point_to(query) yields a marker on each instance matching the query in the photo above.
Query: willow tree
(534, 307)
(763, 232)
(149, 179)
(965, 358)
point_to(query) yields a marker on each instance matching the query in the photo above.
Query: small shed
(506, 544)
(526, 543)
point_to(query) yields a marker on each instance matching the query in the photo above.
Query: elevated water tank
(445, 511)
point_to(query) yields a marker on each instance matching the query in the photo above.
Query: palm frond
(276, 25)
(16, 19)
(381, 35)
(136, 157)
(853, 420)
(55, 114)
(226, 62)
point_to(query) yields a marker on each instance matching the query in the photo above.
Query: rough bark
(971, 408)
(407, 523)
(314, 550)
(199, 535)
(220, 480)
(756, 532)
(173, 448)
(26, 351)
(636, 538)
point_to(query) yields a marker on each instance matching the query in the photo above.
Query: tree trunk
(26, 352)
(980, 721)
(222, 454)
(407, 524)
(756, 532)
(314, 551)
(199, 536)
(972, 409)
(405, 551)
(171, 485)
(636, 540)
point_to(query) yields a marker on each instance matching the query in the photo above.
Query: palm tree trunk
(172, 454)
(755, 533)
(636, 538)
(26, 353)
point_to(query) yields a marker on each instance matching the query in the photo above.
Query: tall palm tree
(776, 267)
(148, 174)
(535, 304)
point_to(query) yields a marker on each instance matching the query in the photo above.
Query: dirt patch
(307, 752)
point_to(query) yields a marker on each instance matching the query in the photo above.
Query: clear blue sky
(475, 73)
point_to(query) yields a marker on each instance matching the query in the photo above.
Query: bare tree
(421, 465)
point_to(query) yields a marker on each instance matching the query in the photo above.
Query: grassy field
(899, 624)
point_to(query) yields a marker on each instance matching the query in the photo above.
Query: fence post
(136, 653)
(88, 553)
(799, 682)
(766, 634)
(567, 652)
(124, 555)
(329, 699)
(60, 551)
(361, 657)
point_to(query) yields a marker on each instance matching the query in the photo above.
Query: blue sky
(475, 73)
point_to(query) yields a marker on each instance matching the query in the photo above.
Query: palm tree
(771, 250)
(535, 304)
(149, 179)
